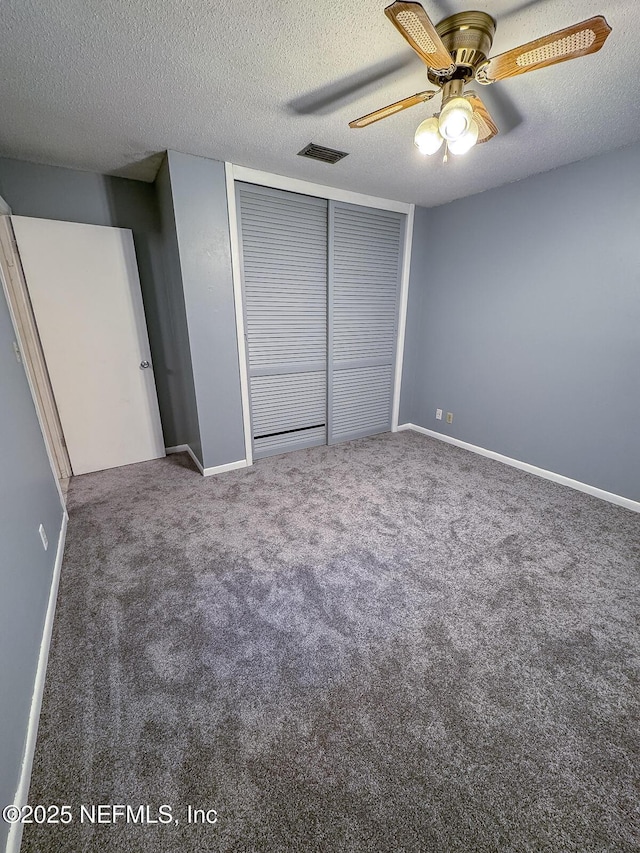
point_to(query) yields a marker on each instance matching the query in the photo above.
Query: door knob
(145, 364)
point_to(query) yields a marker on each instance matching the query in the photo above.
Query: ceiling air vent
(319, 152)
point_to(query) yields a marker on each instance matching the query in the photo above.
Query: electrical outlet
(438, 414)
(43, 536)
(449, 417)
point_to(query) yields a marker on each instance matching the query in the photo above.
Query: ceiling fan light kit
(456, 51)
(427, 138)
(465, 141)
(456, 126)
(455, 119)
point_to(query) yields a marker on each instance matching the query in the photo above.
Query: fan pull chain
(445, 158)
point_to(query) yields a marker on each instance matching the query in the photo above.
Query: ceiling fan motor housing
(468, 37)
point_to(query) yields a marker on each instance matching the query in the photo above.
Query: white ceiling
(105, 85)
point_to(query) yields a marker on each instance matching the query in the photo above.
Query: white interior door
(85, 291)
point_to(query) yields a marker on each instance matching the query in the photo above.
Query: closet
(321, 284)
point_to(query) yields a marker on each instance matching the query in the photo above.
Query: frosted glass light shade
(427, 138)
(466, 141)
(455, 118)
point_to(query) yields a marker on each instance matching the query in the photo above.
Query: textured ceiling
(105, 85)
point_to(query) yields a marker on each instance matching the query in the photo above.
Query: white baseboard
(206, 472)
(179, 448)
(530, 469)
(220, 469)
(22, 792)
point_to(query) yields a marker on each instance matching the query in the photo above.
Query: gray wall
(28, 498)
(181, 416)
(50, 192)
(202, 226)
(524, 319)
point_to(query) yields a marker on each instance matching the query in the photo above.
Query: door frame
(235, 173)
(30, 350)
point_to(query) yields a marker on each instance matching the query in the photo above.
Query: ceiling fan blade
(486, 125)
(397, 107)
(577, 40)
(413, 23)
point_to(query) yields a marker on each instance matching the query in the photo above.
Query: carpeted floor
(388, 645)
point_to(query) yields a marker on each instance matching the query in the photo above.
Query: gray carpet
(388, 645)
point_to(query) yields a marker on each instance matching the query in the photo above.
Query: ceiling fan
(456, 51)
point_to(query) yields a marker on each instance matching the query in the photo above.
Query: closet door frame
(267, 179)
(242, 332)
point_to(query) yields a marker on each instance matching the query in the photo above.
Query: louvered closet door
(284, 257)
(365, 258)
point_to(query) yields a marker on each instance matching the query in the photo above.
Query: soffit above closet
(108, 86)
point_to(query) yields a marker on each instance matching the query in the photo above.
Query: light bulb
(466, 141)
(455, 118)
(427, 139)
